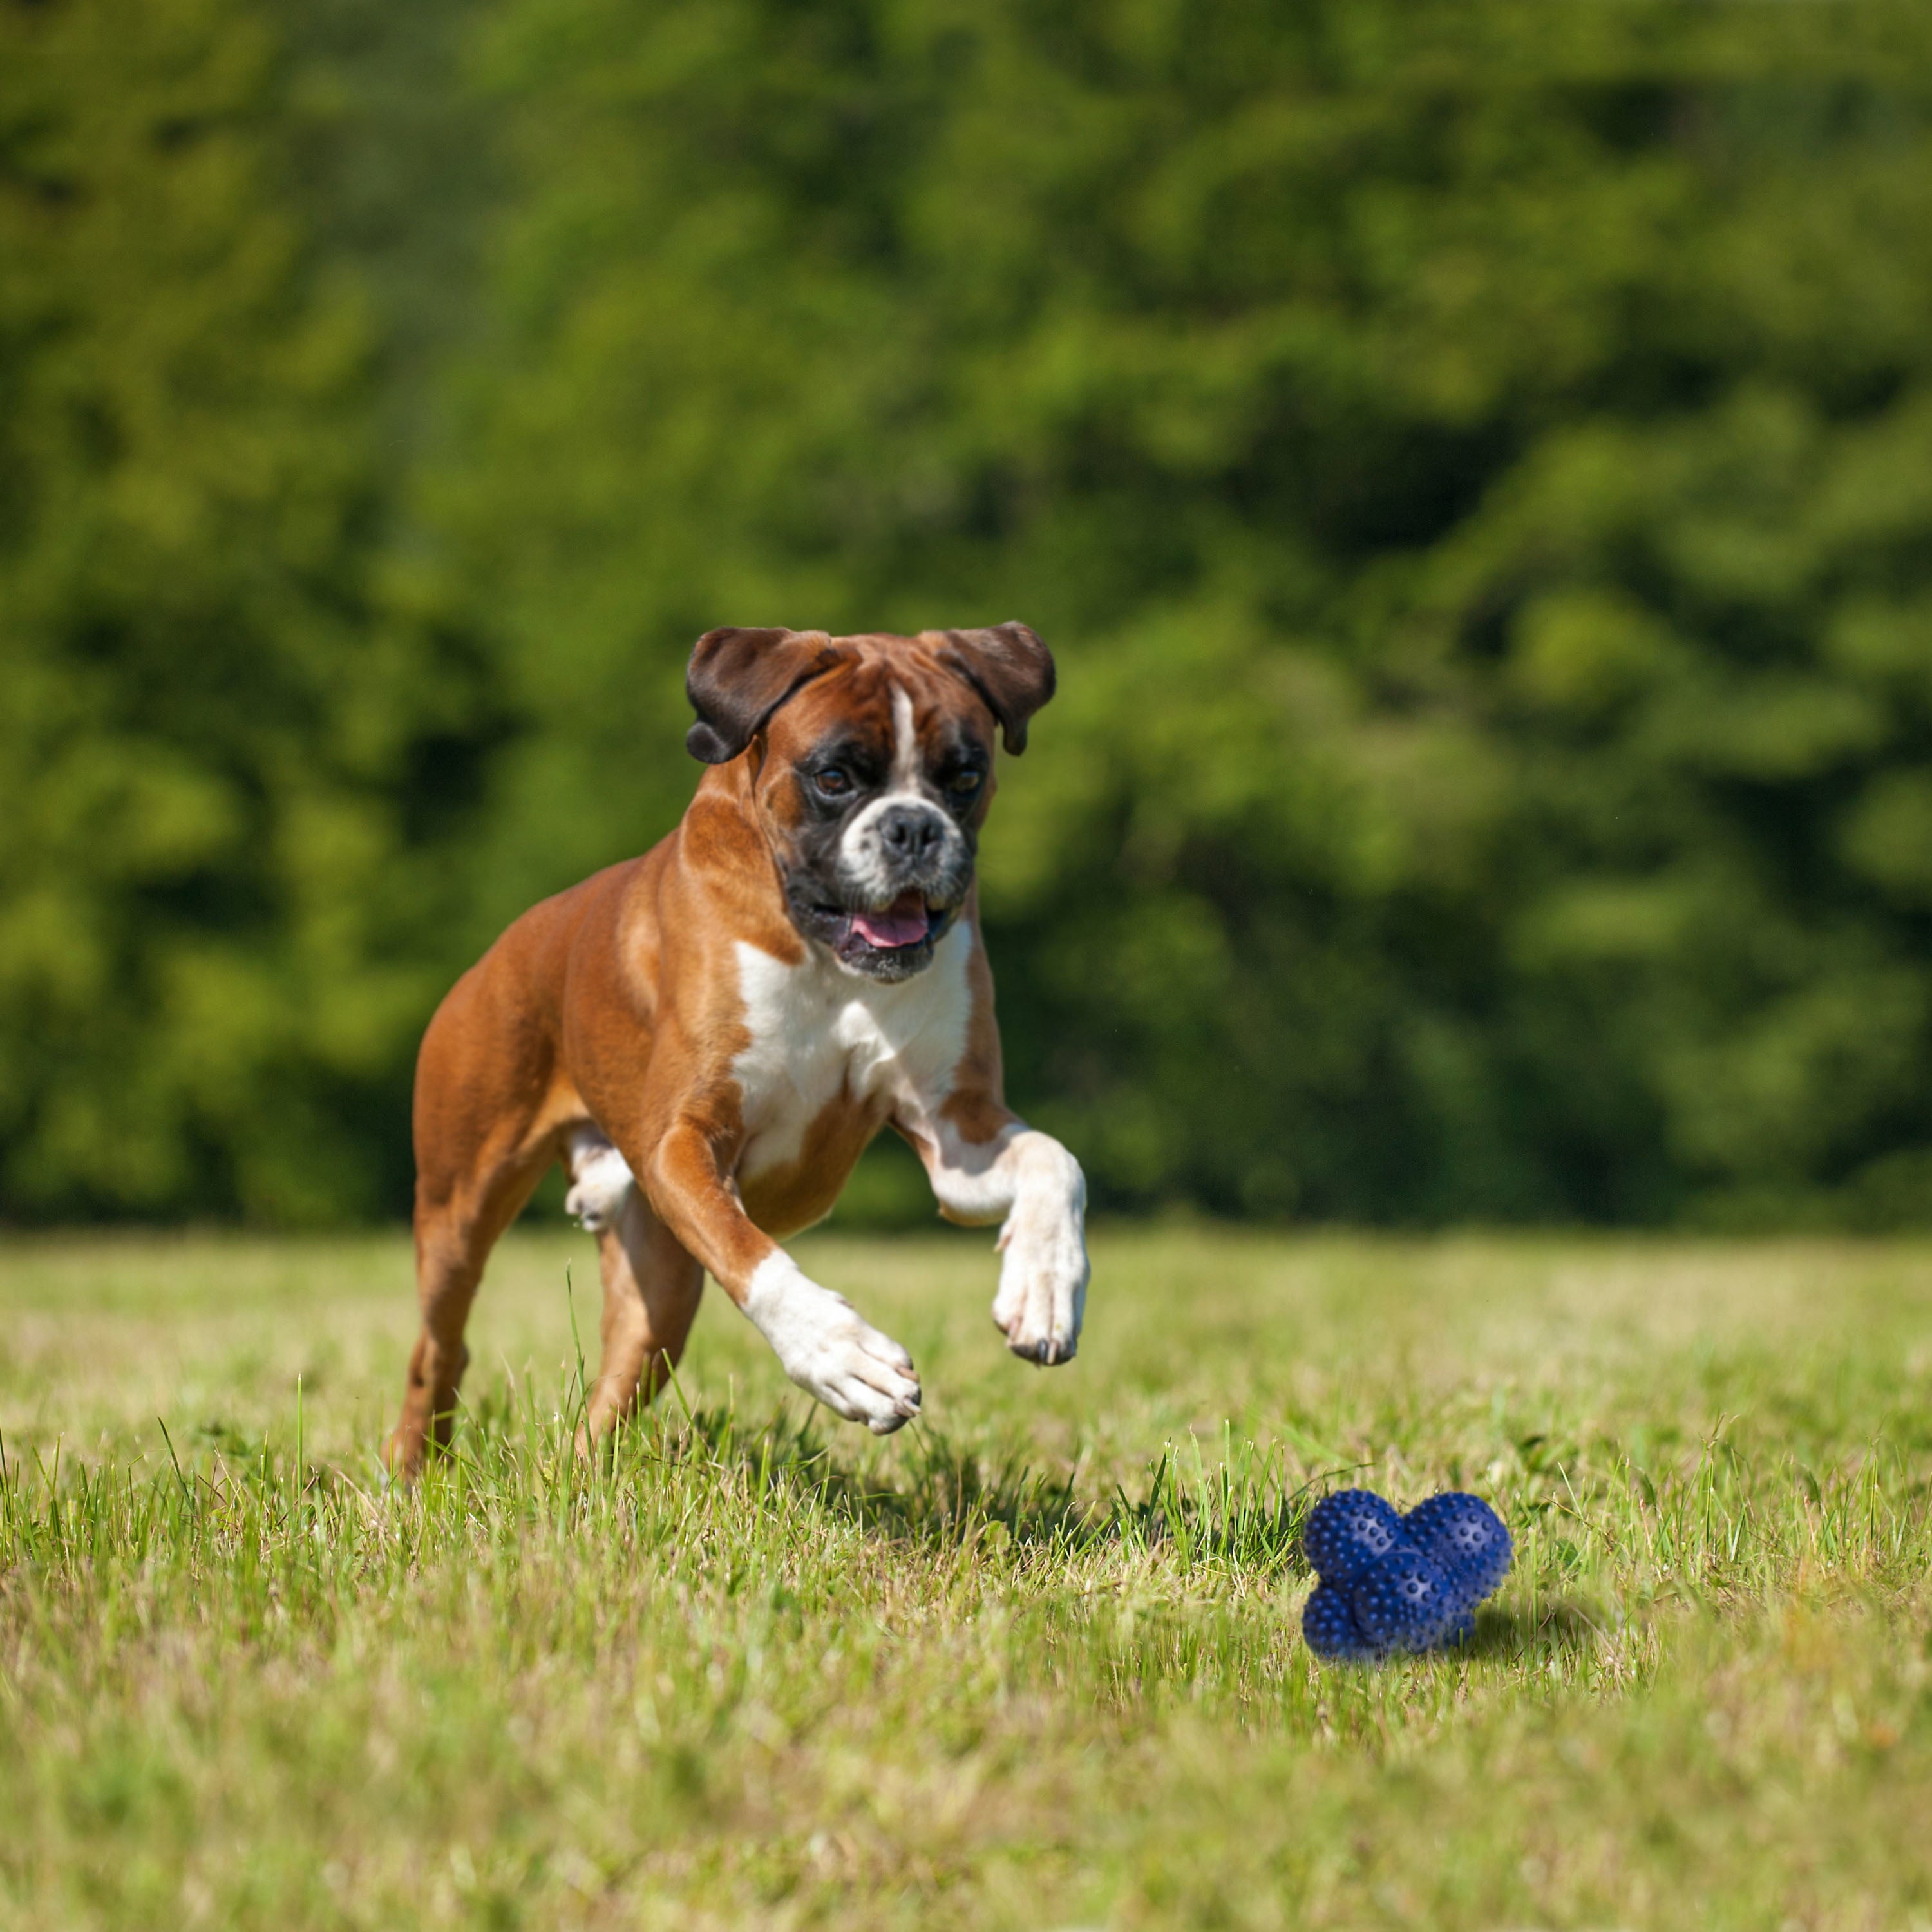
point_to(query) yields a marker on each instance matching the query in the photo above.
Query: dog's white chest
(819, 1034)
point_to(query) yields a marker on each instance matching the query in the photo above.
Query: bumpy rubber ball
(1329, 1627)
(1467, 1538)
(1404, 1601)
(1346, 1532)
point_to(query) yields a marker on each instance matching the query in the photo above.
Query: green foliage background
(1473, 462)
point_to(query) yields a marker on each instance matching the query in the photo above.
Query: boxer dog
(708, 1037)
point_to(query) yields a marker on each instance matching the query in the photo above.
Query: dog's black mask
(880, 857)
(874, 768)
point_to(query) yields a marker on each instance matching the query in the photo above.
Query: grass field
(1033, 1663)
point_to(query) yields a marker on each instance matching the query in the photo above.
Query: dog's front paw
(830, 1350)
(1042, 1280)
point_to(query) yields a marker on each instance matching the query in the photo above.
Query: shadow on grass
(942, 1495)
(1558, 1627)
(1243, 1516)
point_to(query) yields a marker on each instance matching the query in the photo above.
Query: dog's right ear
(738, 678)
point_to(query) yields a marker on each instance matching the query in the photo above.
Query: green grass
(1034, 1663)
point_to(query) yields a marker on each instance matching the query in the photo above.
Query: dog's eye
(832, 781)
(963, 784)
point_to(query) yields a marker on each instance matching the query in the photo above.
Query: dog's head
(870, 769)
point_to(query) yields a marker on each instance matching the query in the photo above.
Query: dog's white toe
(600, 1179)
(1042, 1294)
(830, 1350)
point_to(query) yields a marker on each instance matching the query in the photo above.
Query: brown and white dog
(708, 1037)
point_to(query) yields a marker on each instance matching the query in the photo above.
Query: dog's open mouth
(888, 942)
(895, 939)
(906, 922)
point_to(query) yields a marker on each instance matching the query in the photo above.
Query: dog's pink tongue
(902, 923)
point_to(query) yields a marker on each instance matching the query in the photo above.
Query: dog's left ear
(738, 678)
(1010, 668)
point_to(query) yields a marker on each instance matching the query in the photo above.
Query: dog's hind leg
(454, 1235)
(485, 1131)
(651, 1286)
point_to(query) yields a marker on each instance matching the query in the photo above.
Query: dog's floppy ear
(1010, 668)
(738, 678)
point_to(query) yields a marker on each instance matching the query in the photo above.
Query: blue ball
(1467, 1538)
(1348, 1531)
(1404, 1601)
(1329, 1627)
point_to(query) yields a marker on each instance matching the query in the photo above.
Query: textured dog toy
(1329, 1625)
(1466, 1537)
(1392, 1583)
(1404, 1602)
(1348, 1531)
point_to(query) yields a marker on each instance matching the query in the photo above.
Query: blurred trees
(212, 885)
(1475, 464)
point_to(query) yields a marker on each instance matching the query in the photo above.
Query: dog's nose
(910, 831)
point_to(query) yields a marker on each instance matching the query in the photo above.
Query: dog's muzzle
(903, 871)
